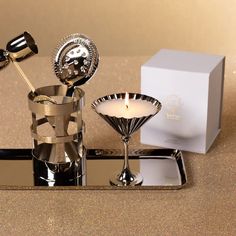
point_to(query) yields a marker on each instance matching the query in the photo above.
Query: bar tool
(126, 127)
(75, 60)
(4, 59)
(21, 47)
(58, 158)
(18, 49)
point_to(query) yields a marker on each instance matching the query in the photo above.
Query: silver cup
(58, 156)
(21, 47)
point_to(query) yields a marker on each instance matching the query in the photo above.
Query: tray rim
(24, 154)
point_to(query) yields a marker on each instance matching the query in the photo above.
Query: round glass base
(122, 180)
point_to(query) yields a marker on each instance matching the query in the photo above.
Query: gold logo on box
(172, 105)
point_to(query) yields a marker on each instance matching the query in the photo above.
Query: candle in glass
(128, 109)
(126, 115)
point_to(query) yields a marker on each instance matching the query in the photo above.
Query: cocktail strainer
(75, 60)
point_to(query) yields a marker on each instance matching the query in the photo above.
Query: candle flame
(127, 100)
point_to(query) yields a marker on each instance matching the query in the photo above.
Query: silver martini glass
(126, 127)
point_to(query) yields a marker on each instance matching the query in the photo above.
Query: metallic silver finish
(162, 169)
(21, 47)
(61, 148)
(71, 104)
(75, 60)
(61, 174)
(4, 58)
(18, 49)
(126, 127)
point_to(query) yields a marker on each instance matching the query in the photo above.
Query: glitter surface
(205, 207)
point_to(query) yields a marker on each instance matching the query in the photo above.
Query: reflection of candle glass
(126, 113)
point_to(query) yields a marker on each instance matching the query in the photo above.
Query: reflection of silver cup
(21, 47)
(59, 154)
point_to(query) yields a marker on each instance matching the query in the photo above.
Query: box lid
(187, 61)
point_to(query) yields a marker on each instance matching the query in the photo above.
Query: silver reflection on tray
(126, 126)
(161, 169)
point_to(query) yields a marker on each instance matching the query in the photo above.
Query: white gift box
(190, 87)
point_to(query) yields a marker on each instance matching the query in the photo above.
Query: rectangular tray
(160, 168)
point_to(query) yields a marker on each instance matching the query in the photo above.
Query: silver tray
(161, 169)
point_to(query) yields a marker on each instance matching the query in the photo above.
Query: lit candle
(127, 108)
(127, 100)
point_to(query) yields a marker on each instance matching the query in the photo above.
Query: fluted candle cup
(126, 113)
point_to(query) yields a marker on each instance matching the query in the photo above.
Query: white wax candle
(117, 108)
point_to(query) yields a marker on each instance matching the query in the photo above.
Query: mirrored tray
(160, 168)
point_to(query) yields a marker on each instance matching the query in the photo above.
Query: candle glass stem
(125, 139)
(126, 177)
